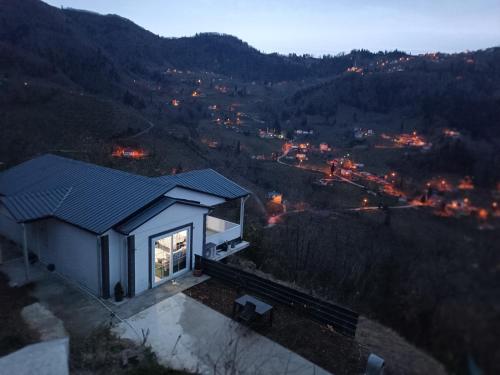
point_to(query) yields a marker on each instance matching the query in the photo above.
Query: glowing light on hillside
(273, 220)
(278, 198)
(127, 152)
(451, 133)
(354, 69)
(483, 214)
(412, 140)
(466, 184)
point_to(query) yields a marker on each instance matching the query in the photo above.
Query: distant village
(303, 148)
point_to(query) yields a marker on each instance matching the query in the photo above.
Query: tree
(277, 126)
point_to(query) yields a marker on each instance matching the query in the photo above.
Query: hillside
(463, 90)
(101, 52)
(85, 85)
(109, 77)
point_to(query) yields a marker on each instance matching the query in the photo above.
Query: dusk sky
(319, 27)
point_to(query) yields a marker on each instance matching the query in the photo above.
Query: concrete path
(41, 319)
(185, 334)
(80, 311)
(152, 296)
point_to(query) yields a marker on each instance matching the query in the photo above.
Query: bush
(119, 292)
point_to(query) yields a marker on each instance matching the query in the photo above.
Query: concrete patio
(80, 311)
(186, 334)
(151, 297)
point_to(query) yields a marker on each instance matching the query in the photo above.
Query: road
(151, 126)
(319, 170)
(273, 220)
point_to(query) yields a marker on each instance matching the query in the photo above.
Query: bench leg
(235, 305)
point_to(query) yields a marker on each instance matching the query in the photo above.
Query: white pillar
(25, 252)
(242, 214)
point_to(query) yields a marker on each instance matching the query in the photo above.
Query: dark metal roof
(207, 181)
(33, 205)
(99, 197)
(93, 197)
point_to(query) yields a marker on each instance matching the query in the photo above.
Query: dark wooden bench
(247, 308)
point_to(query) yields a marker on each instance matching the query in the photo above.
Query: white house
(100, 226)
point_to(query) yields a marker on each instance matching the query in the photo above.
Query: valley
(371, 185)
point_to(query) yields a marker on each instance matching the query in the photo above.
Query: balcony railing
(220, 231)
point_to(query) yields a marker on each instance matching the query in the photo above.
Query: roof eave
(212, 194)
(176, 201)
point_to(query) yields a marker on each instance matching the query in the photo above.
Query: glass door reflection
(170, 255)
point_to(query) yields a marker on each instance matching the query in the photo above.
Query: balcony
(220, 231)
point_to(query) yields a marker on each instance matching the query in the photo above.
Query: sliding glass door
(163, 253)
(170, 257)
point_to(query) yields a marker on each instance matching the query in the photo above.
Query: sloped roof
(207, 181)
(33, 205)
(90, 196)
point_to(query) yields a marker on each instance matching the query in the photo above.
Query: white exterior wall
(37, 236)
(175, 216)
(205, 199)
(36, 232)
(74, 252)
(9, 228)
(117, 260)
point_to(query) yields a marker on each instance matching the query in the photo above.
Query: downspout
(25, 253)
(242, 214)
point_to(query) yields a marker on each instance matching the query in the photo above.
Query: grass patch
(15, 333)
(103, 352)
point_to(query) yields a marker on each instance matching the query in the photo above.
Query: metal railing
(340, 318)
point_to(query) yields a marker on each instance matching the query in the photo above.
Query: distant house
(304, 132)
(324, 147)
(275, 197)
(362, 133)
(213, 144)
(100, 226)
(301, 156)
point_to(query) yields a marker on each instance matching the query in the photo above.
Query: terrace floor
(209, 232)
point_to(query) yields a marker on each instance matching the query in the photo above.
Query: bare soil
(15, 333)
(320, 344)
(316, 342)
